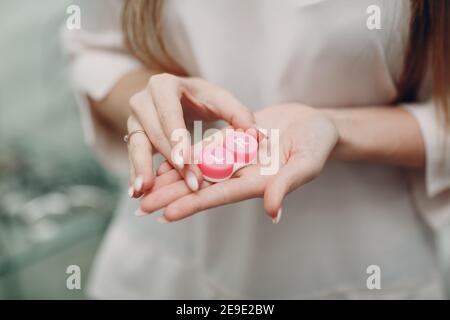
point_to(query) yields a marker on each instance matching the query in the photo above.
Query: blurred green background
(55, 199)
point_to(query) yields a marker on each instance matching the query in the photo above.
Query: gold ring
(127, 137)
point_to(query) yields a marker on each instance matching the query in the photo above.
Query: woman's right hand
(163, 107)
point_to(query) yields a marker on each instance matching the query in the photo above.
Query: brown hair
(428, 46)
(141, 25)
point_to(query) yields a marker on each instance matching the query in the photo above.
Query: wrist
(346, 124)
(382, 134)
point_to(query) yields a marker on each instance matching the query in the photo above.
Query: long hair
(141, 25)
(427, 48)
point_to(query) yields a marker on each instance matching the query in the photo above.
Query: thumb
(292, 175)
(222, 104)
(230, 109)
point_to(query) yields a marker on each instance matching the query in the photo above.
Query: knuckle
(160, 78)
(270, 205)
(196, 206)
(157, 138)
(146, 205)
(154, 80)
(137, 101)
(314, 169)
(136, 108)
(223, 94)
(133, 146)
(163, 116)
(171, 212)
(148, 179)
(224, 195)
(250, 115)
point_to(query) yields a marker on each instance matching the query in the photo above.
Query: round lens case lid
(243, 145)
(216, 163)
(219, 163)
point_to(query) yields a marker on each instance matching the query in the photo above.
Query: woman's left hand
(306, 139)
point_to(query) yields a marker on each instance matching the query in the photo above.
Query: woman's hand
(165, 105)
(306, 140)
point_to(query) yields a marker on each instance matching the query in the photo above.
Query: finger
(221, 102)
(167, 178)
(193, 177)
(192, 174)
(131, 192)
(140, 154)
(163, 168)
(163, 196)
(293, 174)
(144, 111)
(258, 133)
(166, 95)
(230, 191)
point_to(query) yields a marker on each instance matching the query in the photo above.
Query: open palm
(306, 139)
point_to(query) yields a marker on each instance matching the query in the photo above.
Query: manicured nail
(138, 183)
(140, 213)
(162, 220)
(278, 217)
(191, 180)
(130, 192)
(178, 160)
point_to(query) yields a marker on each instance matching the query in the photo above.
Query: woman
(328, 83)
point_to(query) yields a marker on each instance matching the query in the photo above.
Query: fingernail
(278, 217)
(178, 160)
(140, 213)
(191, 180)
(261, 134)
(130, 192)
(162, 220)
(138, 183)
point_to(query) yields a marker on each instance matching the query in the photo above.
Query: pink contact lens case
(243, 146)
(220, 162)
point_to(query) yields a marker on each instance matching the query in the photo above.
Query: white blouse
(316, 52)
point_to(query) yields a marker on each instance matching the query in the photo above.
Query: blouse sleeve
(431, 188)
(97, 59)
